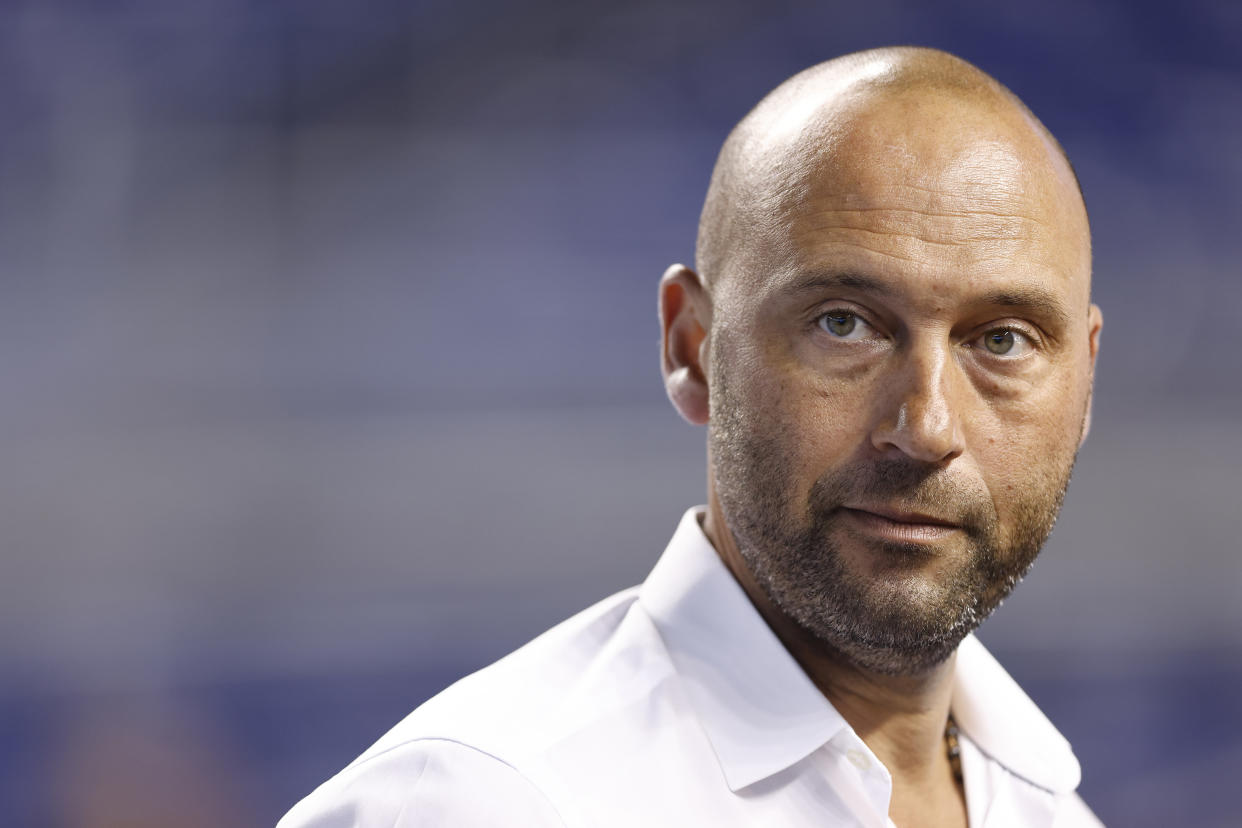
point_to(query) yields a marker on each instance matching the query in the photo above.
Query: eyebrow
(1032, 298)
(1036, 299)
(829, 281)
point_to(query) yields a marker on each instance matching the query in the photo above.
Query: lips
(902, 516)
(900, 525)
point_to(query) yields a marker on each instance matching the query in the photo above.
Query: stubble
(891, 624)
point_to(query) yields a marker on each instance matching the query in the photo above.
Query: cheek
(1024, 448)
(824, 423)
(803, 423)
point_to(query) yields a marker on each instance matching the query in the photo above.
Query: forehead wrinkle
(930, 213)
(935, 277)
(831, 235)
(901, 234)
(987, 229)
(969, 191)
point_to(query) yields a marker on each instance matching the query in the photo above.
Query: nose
(921, 408)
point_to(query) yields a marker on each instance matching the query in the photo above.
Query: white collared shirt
(674, 704)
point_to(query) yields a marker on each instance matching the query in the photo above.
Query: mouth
(899, 525)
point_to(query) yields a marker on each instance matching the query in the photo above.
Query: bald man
(890, 338)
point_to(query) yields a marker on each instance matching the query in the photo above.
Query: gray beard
(795, 558)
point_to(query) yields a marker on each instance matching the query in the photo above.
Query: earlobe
(684, 306)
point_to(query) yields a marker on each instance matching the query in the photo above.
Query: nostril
(923, 429)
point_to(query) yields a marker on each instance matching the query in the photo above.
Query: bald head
(824, 128)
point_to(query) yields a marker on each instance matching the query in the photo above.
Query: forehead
(940, 193)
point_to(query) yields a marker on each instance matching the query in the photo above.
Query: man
(890, 338)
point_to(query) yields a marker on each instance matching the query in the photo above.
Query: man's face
(900, 366)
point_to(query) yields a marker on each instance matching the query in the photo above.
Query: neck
(900, 717)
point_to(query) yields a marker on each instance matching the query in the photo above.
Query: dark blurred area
(331, 374)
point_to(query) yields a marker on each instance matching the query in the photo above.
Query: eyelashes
(845, 325)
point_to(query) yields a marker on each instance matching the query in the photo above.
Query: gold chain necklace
(953, 749)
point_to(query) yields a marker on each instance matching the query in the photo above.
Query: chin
(895, 623)
(903, 640)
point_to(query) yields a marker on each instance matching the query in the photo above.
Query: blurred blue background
(330, 363)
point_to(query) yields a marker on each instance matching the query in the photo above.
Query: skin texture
(891, 339)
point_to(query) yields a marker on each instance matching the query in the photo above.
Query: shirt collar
(759, 709)
(1004, 723)
(762, 713)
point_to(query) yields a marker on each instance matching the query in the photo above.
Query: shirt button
(858, 759)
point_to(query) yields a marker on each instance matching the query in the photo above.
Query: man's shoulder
(576, 682)
(425, 782)
(577, 671)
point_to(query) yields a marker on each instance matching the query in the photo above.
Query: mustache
(907, 485)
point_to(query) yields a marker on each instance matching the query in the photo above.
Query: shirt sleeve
(425, 783)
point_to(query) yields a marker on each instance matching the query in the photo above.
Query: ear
(685, 309)
(1095, 321)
